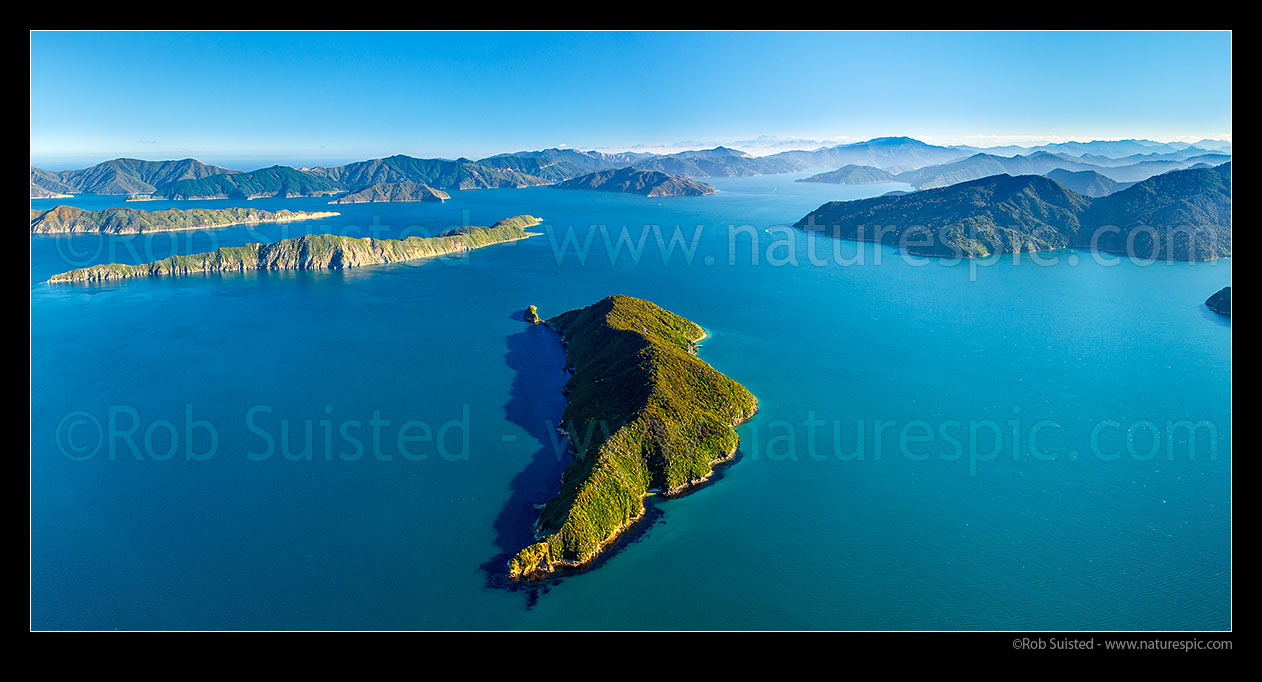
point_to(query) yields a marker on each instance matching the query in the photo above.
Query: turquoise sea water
(822, 523)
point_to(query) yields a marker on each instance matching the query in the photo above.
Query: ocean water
(940, 445)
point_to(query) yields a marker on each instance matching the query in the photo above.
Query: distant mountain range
(1181, 215)
(910, 160)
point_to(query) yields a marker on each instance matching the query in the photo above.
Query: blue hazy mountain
(916, 162)
(1087, 182)
(851, 175)
(892, 154)
(1042, 162)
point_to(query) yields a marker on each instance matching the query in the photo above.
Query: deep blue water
(793, 535)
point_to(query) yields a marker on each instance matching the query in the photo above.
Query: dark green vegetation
(135, 221)
(851, 175)
(282, 181)
(393, 192)
(312, 252)
(439, 173)
(277, 181)
(1220, 302)
(532, 315)
(1087, 182)
(644, 413)
(719, 162)
(120, 176)
(561, 164)
(643, 182)
(1181, 215)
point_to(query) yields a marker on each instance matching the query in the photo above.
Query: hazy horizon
(303, 98)
(77, 162)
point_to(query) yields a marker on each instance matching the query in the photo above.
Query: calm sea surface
(990, 445)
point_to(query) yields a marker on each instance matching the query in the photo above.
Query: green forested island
(648, 183)
(1220, 302)
(851, 175)
(644, 414)
(135, 221)
(312, 252)
(393, 192)
(1180, 215)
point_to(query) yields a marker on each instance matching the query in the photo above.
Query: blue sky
(305, 98)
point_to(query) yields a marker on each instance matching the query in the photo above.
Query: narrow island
(647, 183)
(313, 252)
(1220, 302)
(532, 315)
(645, 416)
(393, 192)
(66, 219)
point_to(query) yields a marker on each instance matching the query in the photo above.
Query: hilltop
(1189, 209)
(636, 181)
(652, 417)
(387, 192)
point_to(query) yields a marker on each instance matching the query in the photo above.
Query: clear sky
(305, 98)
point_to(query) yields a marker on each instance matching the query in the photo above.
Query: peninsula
(645, 415)
(852, 175)
(135, 221)
(312, 252)
(648, 183)
(1180, 215)
(393, 192)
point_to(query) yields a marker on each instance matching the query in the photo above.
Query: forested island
(312, 252)
(1179, 215)
(135, 221)
(645, 415)
(393, 192)
(647, 183)
(1220, 302)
